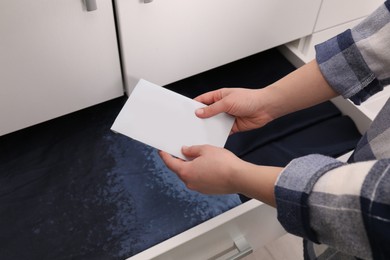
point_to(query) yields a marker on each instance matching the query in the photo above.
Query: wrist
(274, 101)
(236, 179)
(257, 181)
(302, 88)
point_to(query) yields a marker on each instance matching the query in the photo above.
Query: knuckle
(192, 187)
(182, 173)
(189, 186)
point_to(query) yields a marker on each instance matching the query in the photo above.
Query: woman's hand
(211, 170)
(252, 108)
(214, 170)
(246, 105)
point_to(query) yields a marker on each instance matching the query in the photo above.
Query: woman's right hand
(253, 108)
(246, 105)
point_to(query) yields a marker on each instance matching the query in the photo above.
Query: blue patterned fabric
(72, 189)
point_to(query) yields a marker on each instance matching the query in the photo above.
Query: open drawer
(235, 233)
(247, 227)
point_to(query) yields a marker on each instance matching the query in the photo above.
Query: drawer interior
(70, 188)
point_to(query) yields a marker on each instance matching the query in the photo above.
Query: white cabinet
(334, 17)
(164, 41)
(335, 12)
(55, 58)
(236, 232)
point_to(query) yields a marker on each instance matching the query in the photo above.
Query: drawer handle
(90, 5)
(147, 1)
(243, 247)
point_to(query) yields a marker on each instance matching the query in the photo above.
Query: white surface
(374, 104)
(166, 120)
(336, 12)
(55, 58)
(317, 38)
(253, 220)
(165, 41)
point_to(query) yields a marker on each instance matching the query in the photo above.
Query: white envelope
(166, 120)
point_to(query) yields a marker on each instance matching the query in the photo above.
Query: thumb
(211, 110)
(192, 151)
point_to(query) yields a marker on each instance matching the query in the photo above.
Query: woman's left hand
(211, 170)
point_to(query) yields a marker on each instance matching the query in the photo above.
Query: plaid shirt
(345, 207)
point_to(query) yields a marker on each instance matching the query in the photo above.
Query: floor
(288, 247)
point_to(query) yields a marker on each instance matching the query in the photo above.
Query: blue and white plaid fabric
(345, 207)
(356, 62)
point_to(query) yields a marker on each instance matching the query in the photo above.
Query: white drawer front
(319, 37)
(164, 41)
(335, 12)
(253, 221)
(55, 58)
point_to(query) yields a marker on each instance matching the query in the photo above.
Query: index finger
(209, 97)
(174, 164)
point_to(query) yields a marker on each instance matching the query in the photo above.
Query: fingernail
(185, 148)
(199, 111)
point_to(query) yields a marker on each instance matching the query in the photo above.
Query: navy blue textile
(72, 189)
(319, 129)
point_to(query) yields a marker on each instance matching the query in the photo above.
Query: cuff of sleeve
(293, 188)
(345, 69)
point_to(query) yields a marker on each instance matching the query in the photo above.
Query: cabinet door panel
(56, 58)
(335, 12)
(165, 41)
